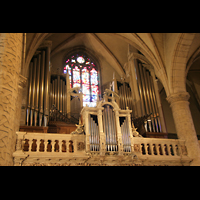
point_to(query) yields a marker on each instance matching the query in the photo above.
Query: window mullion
(90, 86)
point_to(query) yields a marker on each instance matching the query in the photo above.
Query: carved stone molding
(22, 81)
(46, 43)
(182, 96)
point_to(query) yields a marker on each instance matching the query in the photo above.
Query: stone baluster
(151, 147)
(168, 149)
(146, 147)
(158, 149)
(30, 144)
(53, 142)
(45, 145)
(163, 149)
(60, 145)
(174, 149)
(67, 145)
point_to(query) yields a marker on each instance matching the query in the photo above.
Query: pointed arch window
(83, 73)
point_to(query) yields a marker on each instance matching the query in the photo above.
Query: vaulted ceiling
(164, 51)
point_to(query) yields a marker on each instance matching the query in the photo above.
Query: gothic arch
(35, 43)
(83, 50)
(131, 38)
(140, 45)
(177, 77)
(193, 58)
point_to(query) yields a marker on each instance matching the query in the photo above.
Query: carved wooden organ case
(107, 127)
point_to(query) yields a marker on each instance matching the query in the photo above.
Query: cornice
(22, 81)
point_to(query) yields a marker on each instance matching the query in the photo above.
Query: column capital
(181, 96)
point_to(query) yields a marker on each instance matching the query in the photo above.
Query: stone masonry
(10, 67)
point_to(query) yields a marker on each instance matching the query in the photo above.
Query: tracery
(83, 73)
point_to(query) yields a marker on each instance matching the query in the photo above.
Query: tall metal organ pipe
(38, 91)
(148, 97)
(58, 93)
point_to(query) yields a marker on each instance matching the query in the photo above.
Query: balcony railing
(69, 149)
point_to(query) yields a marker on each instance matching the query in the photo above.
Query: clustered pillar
(10, 69)
(184, 124)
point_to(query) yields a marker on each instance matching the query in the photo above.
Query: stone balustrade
(70, 149)
(159, 147)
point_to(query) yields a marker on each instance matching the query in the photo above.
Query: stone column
(21, 107)
(10, 69)
(184, 124)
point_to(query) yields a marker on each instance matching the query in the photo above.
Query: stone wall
(10, 69)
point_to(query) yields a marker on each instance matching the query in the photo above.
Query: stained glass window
(83, 73)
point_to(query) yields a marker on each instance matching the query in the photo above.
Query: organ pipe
(148, 97)
(33, 91)
(94, 135)
(58, 93)
(37, 89)
(140, 91)
(51, 96)
(37, 83)
(29, 93)
(53, 93)
(125, 98)
(33, 84)
(144, 94)
(153, 103)
(110, 129)
(156, 104)
(41, 88)
(47, 79)
(61, 90)
(61, 95)
(152, 128)
(126, 136)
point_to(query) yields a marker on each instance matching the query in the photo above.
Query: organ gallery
(93, 100)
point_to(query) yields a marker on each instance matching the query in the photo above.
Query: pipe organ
(38, 89)
(94, 134)
(133, 96)
(68, 101)
(58, 93)
(126, 135)
(148, 98)
(107, 127)
(125, 97)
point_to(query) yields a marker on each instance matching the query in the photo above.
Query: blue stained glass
(83, 73)
(76, 77)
